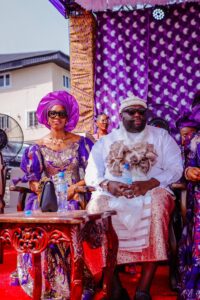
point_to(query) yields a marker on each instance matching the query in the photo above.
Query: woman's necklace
(57, 142)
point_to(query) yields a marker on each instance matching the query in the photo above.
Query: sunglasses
(133, 111)
(53, 114)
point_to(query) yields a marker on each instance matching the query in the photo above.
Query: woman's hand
(34, 186)
(192, 173)
(71, 192)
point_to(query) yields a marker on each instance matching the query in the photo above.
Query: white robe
(132, 222)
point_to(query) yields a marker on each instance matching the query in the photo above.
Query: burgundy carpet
(160, 288)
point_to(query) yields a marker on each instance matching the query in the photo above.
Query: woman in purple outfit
(59, 150)
(189, 247)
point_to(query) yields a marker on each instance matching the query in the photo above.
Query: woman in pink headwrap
(59, 150)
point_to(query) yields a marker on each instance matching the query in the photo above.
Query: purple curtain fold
(156, 60)
(59, 5)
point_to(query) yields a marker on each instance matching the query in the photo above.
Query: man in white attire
(144, 206)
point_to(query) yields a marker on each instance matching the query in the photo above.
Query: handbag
(48, 198)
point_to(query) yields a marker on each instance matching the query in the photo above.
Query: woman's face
(57, 117)
(186, 134)
(103, 122)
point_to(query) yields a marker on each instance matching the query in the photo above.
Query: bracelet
(104, 185)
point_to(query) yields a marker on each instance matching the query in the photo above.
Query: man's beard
(131, 127)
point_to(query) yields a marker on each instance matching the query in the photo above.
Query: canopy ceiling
(101, 5)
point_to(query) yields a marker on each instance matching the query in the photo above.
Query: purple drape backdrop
(156, 60)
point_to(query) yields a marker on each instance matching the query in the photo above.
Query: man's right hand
(116, 188)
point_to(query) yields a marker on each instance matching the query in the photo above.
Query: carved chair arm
(81, 191)
(182, 188)
(178, 186)
(23, 191)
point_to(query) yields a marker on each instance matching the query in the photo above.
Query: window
(4, 122)
(66, 82)
(32, 119)
(4, 80)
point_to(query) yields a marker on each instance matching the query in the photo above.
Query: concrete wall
(28, 86)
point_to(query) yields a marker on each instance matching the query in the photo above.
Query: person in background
(59, 150)
(188, 125)
(189, 255)
(102, 124)
(143, 206)
(187, 128)
(160, 123)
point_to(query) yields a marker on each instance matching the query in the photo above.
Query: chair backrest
(2, 183)
(17, 193)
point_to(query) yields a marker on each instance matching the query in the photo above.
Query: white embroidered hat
(132, 100)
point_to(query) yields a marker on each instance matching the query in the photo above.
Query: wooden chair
(23, 191)
(3, 170)
(177, 222)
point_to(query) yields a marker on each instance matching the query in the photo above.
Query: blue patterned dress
(41, 161)
(189, 247)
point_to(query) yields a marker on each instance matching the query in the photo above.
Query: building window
(66, 82)
(4, 80)
(4, 122)
(32, 119)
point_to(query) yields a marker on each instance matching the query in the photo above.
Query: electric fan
(11, 138)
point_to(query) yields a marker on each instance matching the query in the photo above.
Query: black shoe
(118, 292)
(173, 280)
(142, 295)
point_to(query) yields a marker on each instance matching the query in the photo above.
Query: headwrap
(132, 100)
(59, 98)
(187, 120)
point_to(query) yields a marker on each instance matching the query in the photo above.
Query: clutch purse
(48, 199)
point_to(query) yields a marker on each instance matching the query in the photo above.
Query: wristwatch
(104, 185)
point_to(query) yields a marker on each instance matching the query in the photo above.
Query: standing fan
(11, 138)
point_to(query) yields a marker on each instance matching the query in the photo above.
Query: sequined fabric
(189, 246)
(36, 162)
(162, 207)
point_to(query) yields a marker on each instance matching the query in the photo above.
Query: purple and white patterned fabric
(155, 60)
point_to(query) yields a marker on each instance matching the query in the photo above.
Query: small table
(32, 234)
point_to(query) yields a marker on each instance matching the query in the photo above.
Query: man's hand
(117, 189)
(140, 188)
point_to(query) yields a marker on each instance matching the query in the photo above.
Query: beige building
(24, 79)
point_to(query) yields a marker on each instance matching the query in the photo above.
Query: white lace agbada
(151, 154)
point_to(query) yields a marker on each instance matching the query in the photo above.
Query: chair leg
(2, 205)
(173, 258)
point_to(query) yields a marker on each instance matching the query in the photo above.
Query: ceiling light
(158, 13)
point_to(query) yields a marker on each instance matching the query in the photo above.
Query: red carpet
(160, 288)
(8, 292)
